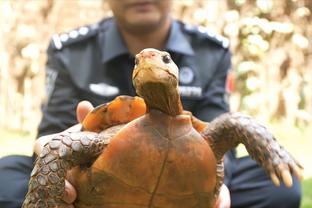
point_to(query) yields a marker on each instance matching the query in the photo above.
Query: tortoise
(147, 151)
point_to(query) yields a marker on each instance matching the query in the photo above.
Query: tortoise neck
(157, 96)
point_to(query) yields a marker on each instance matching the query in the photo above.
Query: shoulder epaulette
(208, 34)
(59, 41)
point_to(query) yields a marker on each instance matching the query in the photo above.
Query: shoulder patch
(209, 34)
(51, 75)
(74, 36)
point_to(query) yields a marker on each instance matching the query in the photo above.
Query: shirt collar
(114, 45)
(177, 42)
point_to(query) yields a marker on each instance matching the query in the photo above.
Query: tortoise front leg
(230, 129)
(66, 150)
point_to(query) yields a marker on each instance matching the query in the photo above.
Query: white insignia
(219, 38)
(223, 40)
(211, 33)
(83, 30)
(225, 43)
(104, 89)
(64, 37)
(73, 34)
(190, 91)
(51, 76)
(57, 41)
(202, 29)
(186, 75)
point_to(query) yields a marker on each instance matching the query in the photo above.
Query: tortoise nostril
(148, 54)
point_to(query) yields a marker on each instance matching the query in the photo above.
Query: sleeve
(215, 97)
(61, 96)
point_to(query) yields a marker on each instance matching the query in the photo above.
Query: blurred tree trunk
(272, 59)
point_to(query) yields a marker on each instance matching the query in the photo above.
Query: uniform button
(186, 75)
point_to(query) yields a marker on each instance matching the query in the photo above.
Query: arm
(230, 129)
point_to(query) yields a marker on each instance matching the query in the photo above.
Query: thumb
(83, 108)
(70, 193)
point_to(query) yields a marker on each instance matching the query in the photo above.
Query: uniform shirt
(93, 63)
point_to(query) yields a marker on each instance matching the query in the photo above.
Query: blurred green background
(271, 78)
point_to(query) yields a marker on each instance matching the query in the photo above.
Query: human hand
(224, 199)
(83, 108)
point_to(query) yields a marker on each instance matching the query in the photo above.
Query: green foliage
(307, 193)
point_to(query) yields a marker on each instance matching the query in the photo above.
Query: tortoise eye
(136, 61)
(166, 58)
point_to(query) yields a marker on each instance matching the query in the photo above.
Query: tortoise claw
(275, 179)
(298, 172)
(230, 129)
(284, 165)
(287, 179)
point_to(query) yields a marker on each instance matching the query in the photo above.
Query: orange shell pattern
(153, 161)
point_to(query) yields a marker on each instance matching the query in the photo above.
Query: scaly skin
(46, 185)
(230, 129)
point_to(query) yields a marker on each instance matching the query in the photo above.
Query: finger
(83, 108)
(217, 204)
(70, 194)
(226, 199)
(74, 128)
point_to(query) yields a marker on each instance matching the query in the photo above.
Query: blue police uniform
(93, 63)
(98, 67)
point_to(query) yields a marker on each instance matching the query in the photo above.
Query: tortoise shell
(155, 160)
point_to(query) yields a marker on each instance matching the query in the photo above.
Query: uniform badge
(104, 89)
(51, 76)
(186, 75)
(190, 91)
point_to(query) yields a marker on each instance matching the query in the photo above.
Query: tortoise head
(155, 78)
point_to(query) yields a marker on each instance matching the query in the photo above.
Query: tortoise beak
(151, 60)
